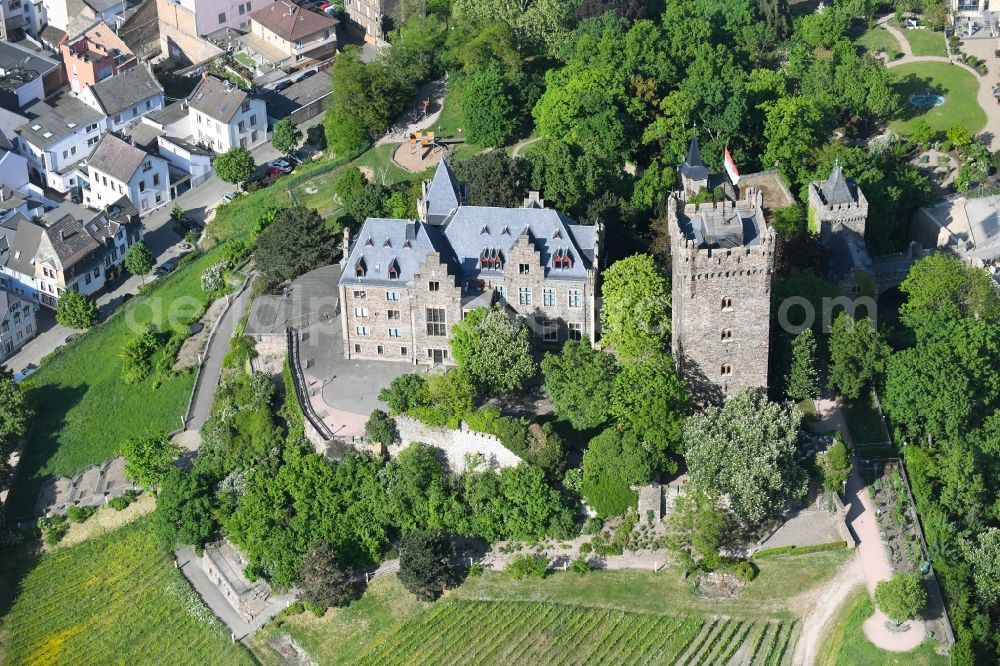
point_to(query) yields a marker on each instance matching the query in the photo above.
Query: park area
(878, 39)
(114, 599)
(616, 617)
(924, 42)
(957, 85)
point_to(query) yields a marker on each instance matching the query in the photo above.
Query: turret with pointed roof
(693, 172)
(441, 196)
(838, 212)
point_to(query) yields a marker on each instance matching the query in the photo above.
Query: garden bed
(897, 519)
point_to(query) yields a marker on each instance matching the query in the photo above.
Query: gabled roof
(442, 194)
(117, 93)
(693, 167)
(219, 100)
(836, 189)
(102, 35)
(19, 241)
(291, 22)
(116, 157)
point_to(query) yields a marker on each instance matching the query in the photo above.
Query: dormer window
(387, 243)
(485, 231)
(505, 232)
(393, 270)
(369, 242)
(562, 260)
(359, 268)
(407, 245)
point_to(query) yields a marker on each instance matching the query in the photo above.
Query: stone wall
(721, 310)
(456, 444)
(853, 215)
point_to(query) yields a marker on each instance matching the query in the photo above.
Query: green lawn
(375, 627)
(958, 85)
(245, 60)
(866, 428)
(846, 645)
(83, 411)
(925, 42)
(116, 599)
(878, 39)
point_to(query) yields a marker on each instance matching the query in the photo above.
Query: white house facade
(117, 168)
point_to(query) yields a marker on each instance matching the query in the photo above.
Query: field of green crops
(116, 599)
(522, 632)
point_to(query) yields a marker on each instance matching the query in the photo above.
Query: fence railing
(298, 379)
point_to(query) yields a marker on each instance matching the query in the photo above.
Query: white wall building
(125, 96)
(57, 137)
(117, 168)
(224, 116)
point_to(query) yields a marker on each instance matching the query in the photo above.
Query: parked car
(165, 267)
(284, 85)
(190, 224)
(72, 336)
(26, 372)
(229, 196)
(281, 165)
(311, 72)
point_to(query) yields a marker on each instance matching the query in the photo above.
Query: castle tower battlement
(722, 262)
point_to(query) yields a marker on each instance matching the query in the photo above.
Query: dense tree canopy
(494, 178)
(76, 310)
(149, 459)
(285, 136)
(236, 165)
(494, 349)
(488, 109)
(746, 450)
(580, 380)
(425, 564)
(296, 242)
(635, 315)
(901, 597)
(325, 580)
(15, 415)
(857, 354)
(651, 401)
(183, 513)
(614, 461)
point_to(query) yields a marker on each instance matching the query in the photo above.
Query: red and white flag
(734, 173)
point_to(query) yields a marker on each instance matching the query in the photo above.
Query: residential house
(57, 137)
(14, 201)
(125, 97)
(117, 168)
(18, 17)
(167, 132)
(17, 323)
(23, 76)
(75, 16)
(95, 55)
(406, 282)
(369, 18)
(13, 167)
(290, 36)
(304, 99)
(183, 24)
(225, 116)
(71, 248)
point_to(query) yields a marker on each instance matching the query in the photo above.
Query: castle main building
(722, 257)
(406, 282)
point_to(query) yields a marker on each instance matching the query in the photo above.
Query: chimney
(347, 241)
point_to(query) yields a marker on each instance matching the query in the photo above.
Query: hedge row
(799, 550)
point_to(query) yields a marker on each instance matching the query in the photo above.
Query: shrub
(476, 569)
(528, 566)
(586, 548)
(593, 526)
(745, 571)
(580, 566)
(135, 356)
(53, 529)
(213, 279)
(122, 501)
(78, 514)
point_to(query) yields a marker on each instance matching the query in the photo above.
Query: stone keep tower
(722, 262)
(837, 205)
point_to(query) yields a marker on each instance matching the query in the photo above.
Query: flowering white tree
(747, 450)
(494, 349)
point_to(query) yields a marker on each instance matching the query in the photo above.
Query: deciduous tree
(425, 564)
(636, 313)
(285, 136)
(487, 109)
(495, 178)
(149, 458)
(184, 509)
(857, 354)
(746, 450)
(76, 310)
(803, 379)
(579, 380)
(236, 165)
(901, 597)
(381, 428)
(650, 400)
(494, 349)
(325, 579)
(139, 260)
(296, 242)
(614, 461)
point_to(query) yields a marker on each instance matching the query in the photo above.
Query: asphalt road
(162, 240)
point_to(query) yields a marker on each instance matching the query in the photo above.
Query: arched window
(726, 370)
(727, 334)
(727, 303)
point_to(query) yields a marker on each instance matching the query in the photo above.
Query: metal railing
(298, 379)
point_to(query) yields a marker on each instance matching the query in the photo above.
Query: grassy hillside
(114, 599)
(83, 411)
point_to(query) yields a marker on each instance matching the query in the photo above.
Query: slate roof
(475, 229)
(70, 241)
(103, 5)
(297, 95)
(291, 22)
(59, 120)
(19, 240)
(693, 167)
(384, 243)
(116, 157)
(836, 189)
(119, 92)
(219, 100)
(169, 114)
(13, 56)
(9, 121)
(442, 194)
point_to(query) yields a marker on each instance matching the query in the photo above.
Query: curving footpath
(981, 48)
(871, 551)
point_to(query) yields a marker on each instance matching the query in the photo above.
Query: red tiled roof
(291, 22)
